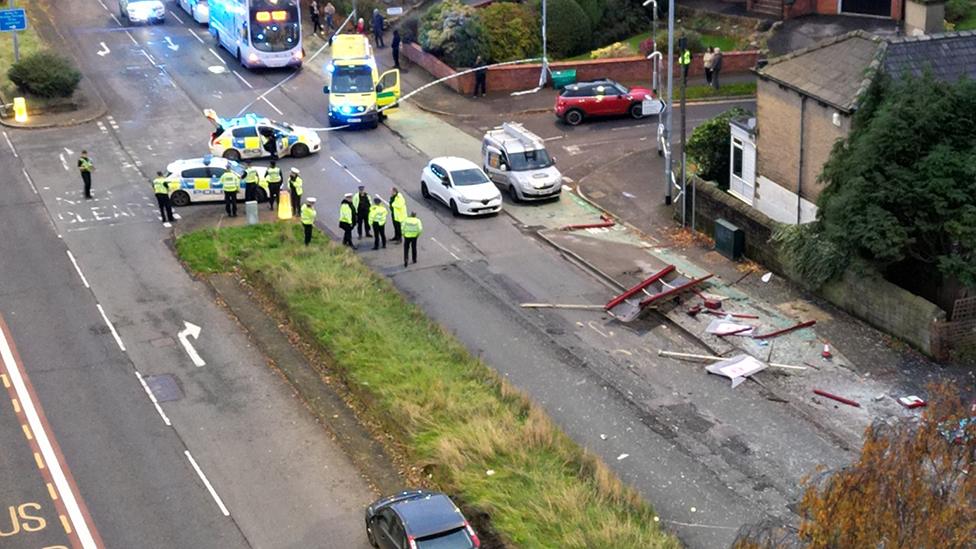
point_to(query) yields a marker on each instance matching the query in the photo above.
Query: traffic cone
(826, 352)
(284, 205)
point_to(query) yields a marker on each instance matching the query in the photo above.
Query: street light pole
(667, 128)
(545, 58)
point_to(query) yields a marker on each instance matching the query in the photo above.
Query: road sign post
(13, 20)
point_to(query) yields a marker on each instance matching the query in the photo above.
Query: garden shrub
(623, 18)
(957, 10)
(708, 147)
(568, 28)
(409, 28)
(617, 49)
(695, 43)
(45, 74)
(513, 32)
(454, 32)
(594, 11)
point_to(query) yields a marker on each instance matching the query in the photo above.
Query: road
(683, 442)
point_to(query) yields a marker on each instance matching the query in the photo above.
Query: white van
(517, 160)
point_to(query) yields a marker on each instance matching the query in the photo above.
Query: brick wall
(819, 136)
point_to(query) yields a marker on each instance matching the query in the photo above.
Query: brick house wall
(827, 7)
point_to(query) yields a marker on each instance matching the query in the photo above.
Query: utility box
(730, 240)
(563, 78)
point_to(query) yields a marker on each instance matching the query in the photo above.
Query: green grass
(969, 23)
(28, 43)
(452, 414)
(731, 89)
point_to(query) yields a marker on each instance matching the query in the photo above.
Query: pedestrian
(231, 183)
(378, 28)
(360, 206)
(412, 227)
(329, 16)
(295, 186)
(86, 167)
(377, 218)
(346, 220)
(716, 67)
(361, 26)
(480, 77)
(399, 206)
(313, 8)
(161, 190)
(707, 61)
(308, 218)
(395, 48)
(251, 181)
(273, 180)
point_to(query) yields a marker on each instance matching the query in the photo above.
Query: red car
(599, 98)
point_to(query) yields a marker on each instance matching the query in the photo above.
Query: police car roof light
(207, 159)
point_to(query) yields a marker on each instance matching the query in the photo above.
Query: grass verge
(450, 412)
(732, 89)
(27, 42)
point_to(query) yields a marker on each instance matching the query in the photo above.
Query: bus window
(275, 26)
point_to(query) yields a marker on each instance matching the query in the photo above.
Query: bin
(561, 79)
(730, 240)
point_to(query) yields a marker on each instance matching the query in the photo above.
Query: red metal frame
(634, 290)
(677, 289)
(806, 324)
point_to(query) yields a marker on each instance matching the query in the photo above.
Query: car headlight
(463, 200)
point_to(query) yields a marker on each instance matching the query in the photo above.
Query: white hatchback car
(199, 10)
(142, 11)
(461, 185)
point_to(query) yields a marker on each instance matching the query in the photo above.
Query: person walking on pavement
(716, 67)
(295, 186)
(231, 183)
(412, 227)
(378, 28)
(251, 181)
(360, 203)
(346, 220)
(161, 190)
(86, 167)
(399, 206)
(480, 77)
(313, 8)
(707, 59)
(273, 181)
(377, 218)
(395, 48)
(308, 218)
(329, 10)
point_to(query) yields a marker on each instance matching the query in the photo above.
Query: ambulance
(356, 90)
(254, 136)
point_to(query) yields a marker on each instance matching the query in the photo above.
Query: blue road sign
(13, 20)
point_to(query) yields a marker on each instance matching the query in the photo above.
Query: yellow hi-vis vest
(85, 164)
(411, 227)
(230, 181)
(273, 175)
(377, 215)
(685, 58)
(399, 205)
(297, 184)
(345, 213)
(159, 186)
(308, 214)
(251, 176)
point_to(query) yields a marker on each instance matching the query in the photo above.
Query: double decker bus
(259, 33)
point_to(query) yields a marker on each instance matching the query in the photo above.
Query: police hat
(294, 170)
(310, 200)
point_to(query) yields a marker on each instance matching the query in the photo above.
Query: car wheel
(299, 150)
(370, 538)
(574, 117)
(374, 124)
(423, 190)
(454, 209)
(636, 111)
(180, 199)
(232, 154)
(513, 193)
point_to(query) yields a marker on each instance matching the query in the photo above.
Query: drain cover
(164, 387)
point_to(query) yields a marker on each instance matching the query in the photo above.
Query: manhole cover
(164, 387)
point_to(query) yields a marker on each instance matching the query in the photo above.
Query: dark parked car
(418, 519)
(599, 98)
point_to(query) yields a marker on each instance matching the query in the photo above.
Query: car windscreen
(452, 539)
(274, 26)
(352, 79)
(472, 176)
(529, 160)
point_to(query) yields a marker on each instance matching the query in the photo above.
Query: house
(804, 104)
(788, 9)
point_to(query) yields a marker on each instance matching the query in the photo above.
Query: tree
(902, 186)
(454, 32)
(45, 74)
(513, 32)
(709, 144)
(568, 29)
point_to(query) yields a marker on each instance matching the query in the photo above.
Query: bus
(259, 33)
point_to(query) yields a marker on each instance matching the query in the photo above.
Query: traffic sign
(13, 20)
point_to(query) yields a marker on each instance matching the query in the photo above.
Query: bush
(454, 32)
(409, 28)
(695, 43)
(617, 49)
(568, 28)
(708, 147)
(593, 10)
(623, 18)
(957, 10)
(809, 254)
(513, 32)
(45, 74)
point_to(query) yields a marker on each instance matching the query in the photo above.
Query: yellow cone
(284, 205)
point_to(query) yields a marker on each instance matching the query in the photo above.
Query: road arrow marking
(170, 44)
(191, 330)
(104, 51)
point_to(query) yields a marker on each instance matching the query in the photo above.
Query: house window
(737, 157)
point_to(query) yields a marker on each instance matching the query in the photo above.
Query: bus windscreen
(275, 26)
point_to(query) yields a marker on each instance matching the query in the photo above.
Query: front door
(389, 88)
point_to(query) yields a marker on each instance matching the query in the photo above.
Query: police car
(199, 179)
(254, 136)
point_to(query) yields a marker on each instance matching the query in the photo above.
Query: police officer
(308, 218)
(86, 167)
(273, 181)
(377, 218)
(295, 186)
(231, 182)
(251, 181)
(399, 206)
(161, 190)
(346, 220)
(360, 206)
(412, 227)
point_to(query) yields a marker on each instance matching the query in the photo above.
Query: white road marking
(111, 327)
(438, 242)
(152, 398)
(337, 163)
(246, 83)
(217, 55)
(594, 327)
(206, 483)
(47, 450)
(64, 162)
(630, 127)
(170, 44)
(117, 22)
(353, 175)
(29, 180)
(173, 13)
(554, 138)
(104, 51)
(9, 144)
(71, 256)
(132, 38)
(103, 5)
(270, 104)
(149, 57)
(191, 330)
(195, 35)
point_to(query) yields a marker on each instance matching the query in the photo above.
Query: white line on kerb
(270, 104)
(206, 483)
(246, 83)
(352, 175)
(217, 55)
(29, 180)
(47, 450)
(71, 256)
(149, 57)
(119, 23)
(132, 38)
(337, 163)
(11, 145)
(152, 398)
(173, 13)
(103, 5)
(111, 327)
(196, 36)
(445, 248)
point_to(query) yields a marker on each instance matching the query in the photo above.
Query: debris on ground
(560, 306)
(792, 328)
(689, 356)
(721, 327)
(911, 401)
(838, 398)
(737, 368)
